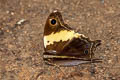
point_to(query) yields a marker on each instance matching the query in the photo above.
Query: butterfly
(65, 47)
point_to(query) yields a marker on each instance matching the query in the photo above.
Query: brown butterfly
(65, 47)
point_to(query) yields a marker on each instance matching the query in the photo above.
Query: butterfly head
(94, 45)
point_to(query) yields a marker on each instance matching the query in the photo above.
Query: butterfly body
(63, 45)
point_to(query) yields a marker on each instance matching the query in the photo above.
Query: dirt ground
(21, 38)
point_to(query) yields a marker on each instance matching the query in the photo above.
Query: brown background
(21, 46)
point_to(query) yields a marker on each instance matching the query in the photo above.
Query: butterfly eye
(86, 51)
(53, 22)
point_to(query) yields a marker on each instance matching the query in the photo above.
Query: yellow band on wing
(63, 35)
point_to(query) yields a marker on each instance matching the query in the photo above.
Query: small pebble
(20, 21)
